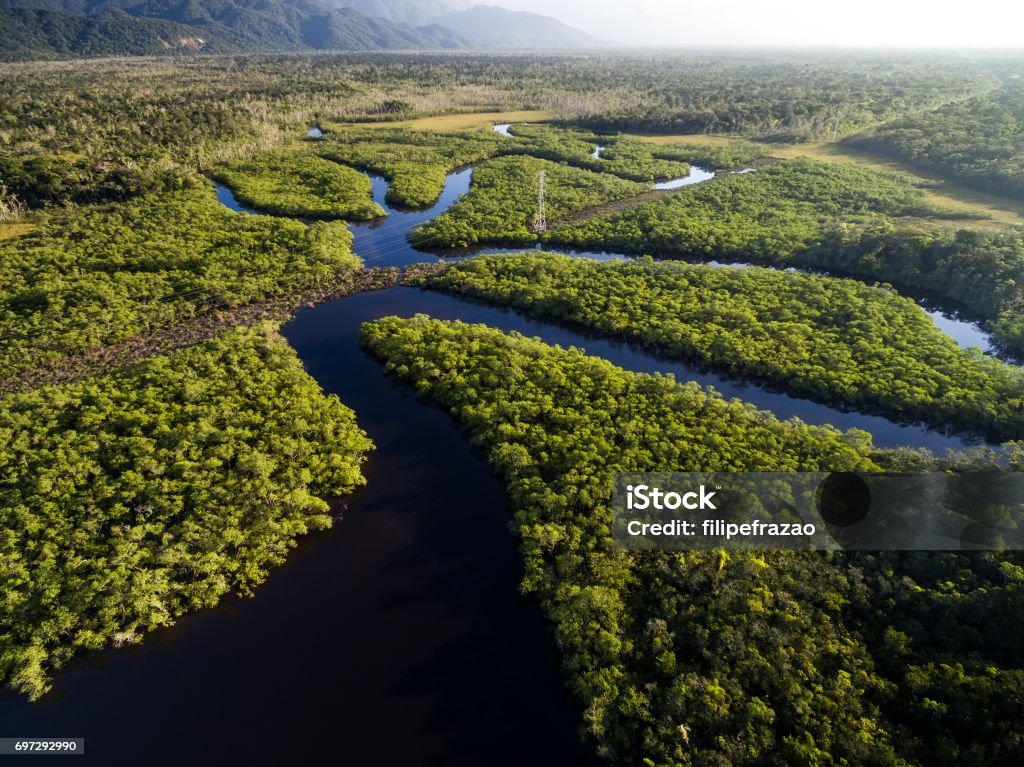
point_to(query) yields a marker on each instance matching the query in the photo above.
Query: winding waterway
(400, 636)
(696, 176)
(385, 243)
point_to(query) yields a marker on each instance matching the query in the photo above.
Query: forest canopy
(980, 270)
(876, 659)
(92, 277)
(416, 161)
(132, 498)
(830, 339)
(191, 110)
(979, 141)
(826, 216)
(501, 205)
(300, 184)
(769, 215)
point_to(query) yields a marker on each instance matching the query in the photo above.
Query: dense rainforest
(807, 100)
(881, 659)
(129, 499)
(830, 339)
(979, 141)
(813, 214)
(979, 269)
(52, 180)
(415, 162)
(770, 215)
(91, 278)
(501, 205)
(187, 111)
(158, 488)
(620, 155)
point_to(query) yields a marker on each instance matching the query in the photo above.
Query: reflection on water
(227, 198)
(696, 176)
(966, 333)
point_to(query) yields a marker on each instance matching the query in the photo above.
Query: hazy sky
(904, 23)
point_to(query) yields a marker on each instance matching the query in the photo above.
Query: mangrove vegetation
(835, 340)
(92, 277)
(132, 498)
(301, 185)
(501, 206)
(700, 658)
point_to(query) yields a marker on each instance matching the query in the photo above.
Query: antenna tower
(540, 222)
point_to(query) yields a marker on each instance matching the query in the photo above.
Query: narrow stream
(227, 198)
(385, 243)
(967, 333)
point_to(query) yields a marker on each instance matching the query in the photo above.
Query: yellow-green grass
(10, 231)
(706, 139)
(462, 121)
(946, 194)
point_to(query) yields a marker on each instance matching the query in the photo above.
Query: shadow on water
(406, 302)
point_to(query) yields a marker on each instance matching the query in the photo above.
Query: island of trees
(830, 339)
(131, 498)
(836, 658)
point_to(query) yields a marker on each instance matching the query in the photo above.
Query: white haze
(810, 23)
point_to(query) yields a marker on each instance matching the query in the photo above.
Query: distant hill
(494, 27)
(68, 28)
(61, 28)
(27, 33)
(415, 12)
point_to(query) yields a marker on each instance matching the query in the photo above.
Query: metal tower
(540, 222)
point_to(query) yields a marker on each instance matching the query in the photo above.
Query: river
(384, 243)
(399, 637)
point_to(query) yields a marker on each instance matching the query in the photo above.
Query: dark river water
(397, 638)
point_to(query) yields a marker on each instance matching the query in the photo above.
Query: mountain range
(494, 27)
(68, 28)
(415, 12)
